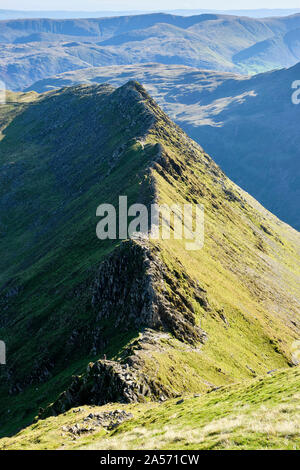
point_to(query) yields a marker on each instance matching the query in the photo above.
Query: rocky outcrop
(134, 287)
(107, 419)
(125, 380)
(104, 382)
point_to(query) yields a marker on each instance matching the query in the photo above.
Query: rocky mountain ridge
(181, 321)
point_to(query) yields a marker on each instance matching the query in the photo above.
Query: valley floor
(260, 414)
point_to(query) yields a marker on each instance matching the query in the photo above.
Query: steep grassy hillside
(169, 321)
(36, 48)
(249, 124)
(54, 174)
(261, 414)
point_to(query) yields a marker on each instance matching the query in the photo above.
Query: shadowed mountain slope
(168, 320)
(97, 29)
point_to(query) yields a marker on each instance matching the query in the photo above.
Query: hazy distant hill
(261, 13)
(37, 48)
(60, 14)
(67, 14)
(248, 124)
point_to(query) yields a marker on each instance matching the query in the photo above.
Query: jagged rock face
(124, 380)
(122, 289)
(104, 382)
(134, 287)
(107, 381)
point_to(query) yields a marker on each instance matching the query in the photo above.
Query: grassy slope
(251, 276)
(259, 414)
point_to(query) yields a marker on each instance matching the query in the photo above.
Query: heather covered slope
(249, 124)
(169, 321)
(38, 48)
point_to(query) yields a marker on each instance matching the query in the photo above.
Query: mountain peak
(135, 90)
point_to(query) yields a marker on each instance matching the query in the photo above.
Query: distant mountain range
(37, 48)
(249, 124)
(61, 14)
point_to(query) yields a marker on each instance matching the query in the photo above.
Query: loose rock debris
(108, 420)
